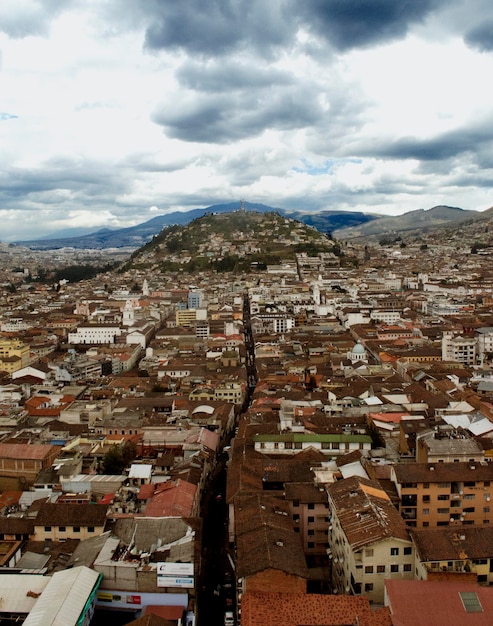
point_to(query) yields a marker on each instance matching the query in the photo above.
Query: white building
(95, 334)
(458, 348)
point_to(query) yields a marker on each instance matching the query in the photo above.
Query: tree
(129, 453)
(113, 462)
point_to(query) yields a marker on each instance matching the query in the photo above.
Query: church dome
(359, 349)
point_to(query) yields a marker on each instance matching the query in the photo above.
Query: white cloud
(106, 114)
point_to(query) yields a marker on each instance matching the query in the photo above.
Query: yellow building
(14, 355)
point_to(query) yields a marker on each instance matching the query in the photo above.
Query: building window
(335, 446)
(47, 529)
(311, 533)
(76, 529)
(62, 529)
(426, 498)
(407, 567)
(311, 519)
(311, 505)
(469, 496)
(426, 524)
(486, 509)
(443, 511)
(380, 569)
(394, 551)
(310, 545)
(298, 445)
(426, 511)
(369, 552)
(90, 529)
(368, 569)
(368, 587)
(426, 485)
(408, 550)
(394, 568)
(296, 503)
(296, 518)
(443, 496)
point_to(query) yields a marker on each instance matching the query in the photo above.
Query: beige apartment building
(462, 551)
(443, 494)
(59, 522)
(14, 355)
(447, 445)
(369, 541)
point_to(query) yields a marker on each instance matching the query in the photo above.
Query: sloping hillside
(235, 241)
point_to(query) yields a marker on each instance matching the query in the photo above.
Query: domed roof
(359, 348)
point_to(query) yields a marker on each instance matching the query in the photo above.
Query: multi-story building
(485, 343)
(443, 494)
(60, 522)
(14, 355)
(368, 539)
(447, 445)
(290, 443)
(458, 550)
(458, 348)
(310, 514)
(95, 334)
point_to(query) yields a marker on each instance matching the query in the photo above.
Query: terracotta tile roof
(451, 543)
(430, 603)
(305, 492)
(286, 609)
(173, 498)
(365, 512)
(443, 472)
(51, 514)
(270, 548)
(35, 451)
(261, 509)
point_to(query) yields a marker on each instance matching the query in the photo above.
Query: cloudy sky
(115, 111)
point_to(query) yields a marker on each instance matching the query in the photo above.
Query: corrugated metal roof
(15, 589)
(64, 598)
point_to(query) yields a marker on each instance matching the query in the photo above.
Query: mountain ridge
(342, 224)
(139, 235)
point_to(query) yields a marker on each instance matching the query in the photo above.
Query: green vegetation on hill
(230, 242)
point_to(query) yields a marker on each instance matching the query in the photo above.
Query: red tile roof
(287, 609)
(428, 603)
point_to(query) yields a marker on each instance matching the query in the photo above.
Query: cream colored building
(368, 539)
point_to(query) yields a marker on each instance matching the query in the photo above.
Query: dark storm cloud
(216, 27)
(223, 118)
(34, 19)
(481, 37)
(84, 179)
(354, 23)
(228, 75)
(442, 147)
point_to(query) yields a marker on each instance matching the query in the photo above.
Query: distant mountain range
(411, 222)
(342, 224)
(137, 236)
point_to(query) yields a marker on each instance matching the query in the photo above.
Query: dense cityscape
(251, 424)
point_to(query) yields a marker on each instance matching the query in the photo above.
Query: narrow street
(211, 592)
